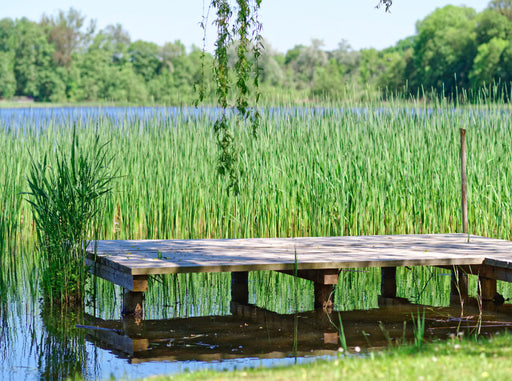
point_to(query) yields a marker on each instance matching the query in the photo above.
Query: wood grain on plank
(144, 257)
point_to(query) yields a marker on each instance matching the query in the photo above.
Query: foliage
(503, 7)
(64, 195)
(456, 52)
(32, 58)
(61, 344)
(328, 81)
(487, 62)
(418, 322)
(491, 24)
(7, 78)
(144, 59)
(246, 29)
(309, 59)
(445, 48)
(66, 35)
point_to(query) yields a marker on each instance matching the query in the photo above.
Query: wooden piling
(464, 185)
(324, 283)
(487, 288)
(132, 304)
(459, 285)
(388, 282)
(459, 279)
(240, 287)
(323, 296)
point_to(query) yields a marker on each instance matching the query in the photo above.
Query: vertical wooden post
(487, 288)
(323, 296)
(464, 185)
(388, 282)
(240, 287)
(459, 285)
(132, 304)
(459, 279)
(133, 296)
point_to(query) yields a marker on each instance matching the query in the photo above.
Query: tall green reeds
(418, 322)
(64, 195)
(381, 168)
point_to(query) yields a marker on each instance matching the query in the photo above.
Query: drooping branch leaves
(244, 30)
(227, 164)
(242, 66)
(257, 40)
(221, 69)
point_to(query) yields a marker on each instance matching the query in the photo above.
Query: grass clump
(64, 194)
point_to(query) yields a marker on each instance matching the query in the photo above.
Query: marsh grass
(340, 170)
(64, 192)
(341, 334)
(418, 328)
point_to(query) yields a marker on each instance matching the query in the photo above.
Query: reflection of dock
(254, 332)
(248, 332)
(319, 259)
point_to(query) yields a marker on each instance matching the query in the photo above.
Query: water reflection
(249, 332)
(61, 346)
(203, 330)
(253, 332)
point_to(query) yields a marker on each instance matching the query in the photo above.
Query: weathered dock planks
(128, 263)
(145, 257)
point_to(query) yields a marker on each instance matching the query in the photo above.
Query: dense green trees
(64, 58)
(444, 48)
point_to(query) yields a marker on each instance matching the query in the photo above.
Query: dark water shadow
(252, 332)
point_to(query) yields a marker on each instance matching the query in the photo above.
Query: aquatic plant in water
(64, 194)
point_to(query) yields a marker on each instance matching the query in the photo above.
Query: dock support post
(388, 282)
(324, 282)
(487, 288)
(132, 304)
(459, 285)
(240, 287)
(323, 296)
(133, 295)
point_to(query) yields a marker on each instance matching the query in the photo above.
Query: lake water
(190, 324)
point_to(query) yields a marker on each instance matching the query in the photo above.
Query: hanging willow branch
(242, 65)
(228, 159)
(257, 49)
(245, 30)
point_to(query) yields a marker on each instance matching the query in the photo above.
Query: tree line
(456, 52)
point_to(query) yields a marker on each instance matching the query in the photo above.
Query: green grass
(467, 360)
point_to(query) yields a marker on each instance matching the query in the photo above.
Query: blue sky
(285, 22)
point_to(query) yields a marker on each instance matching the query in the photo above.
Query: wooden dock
(129, 263)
